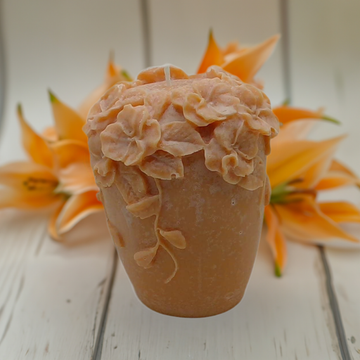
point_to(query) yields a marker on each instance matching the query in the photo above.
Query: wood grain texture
(52, 295)
(179, 33)
(286, 318)
(345, 266)
(325, 72)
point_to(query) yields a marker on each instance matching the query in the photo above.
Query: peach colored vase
(183, 185)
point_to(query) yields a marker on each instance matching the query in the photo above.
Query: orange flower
(289, 113)
(244, 62)
(298, 169)
(58, 174)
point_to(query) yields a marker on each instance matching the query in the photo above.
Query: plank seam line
(334, 306)
(285, 43)
(145, 20)
(100, 336)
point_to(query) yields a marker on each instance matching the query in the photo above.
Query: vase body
(222, 225)
(180, 163)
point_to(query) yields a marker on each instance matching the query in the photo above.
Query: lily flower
(244, 62)
(57, 176)
(298, 169)
(290, 113)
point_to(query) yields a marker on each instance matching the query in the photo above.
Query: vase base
(200, 311)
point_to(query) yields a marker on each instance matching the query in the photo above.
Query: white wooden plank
(51, 295)
(325, 72)
(287, 318)
(179, 33)
(345, 266)
(65, 46)
(325, 56)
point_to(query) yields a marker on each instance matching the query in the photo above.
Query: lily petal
(296, 130)
(248, 63)
(67, 152)
(340, 211)
(275, 239)
(27, 185)
(287, 114)
(72, 166)
(337, 175)
(50, 134)
(28, 177)
(213, 55)
(232, 48)
(289, 160)
(304, 220)
(76, 208)
(9, 198)
(52, 230)
(68, 122)
(34, 144)
(312, 175)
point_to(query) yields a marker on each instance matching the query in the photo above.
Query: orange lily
(58, 174)
(289, 113)
(244, 62)
(298, 169)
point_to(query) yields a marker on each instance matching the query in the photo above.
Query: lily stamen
(33, 184)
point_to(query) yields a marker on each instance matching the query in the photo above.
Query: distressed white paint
(325, 53)
(180, 29)
(51, 295)
(345, 267)
(286, 318)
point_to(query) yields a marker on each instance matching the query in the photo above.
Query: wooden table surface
(73, 301)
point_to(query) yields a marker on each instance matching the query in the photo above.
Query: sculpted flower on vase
(211, 101)
(132, 137)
